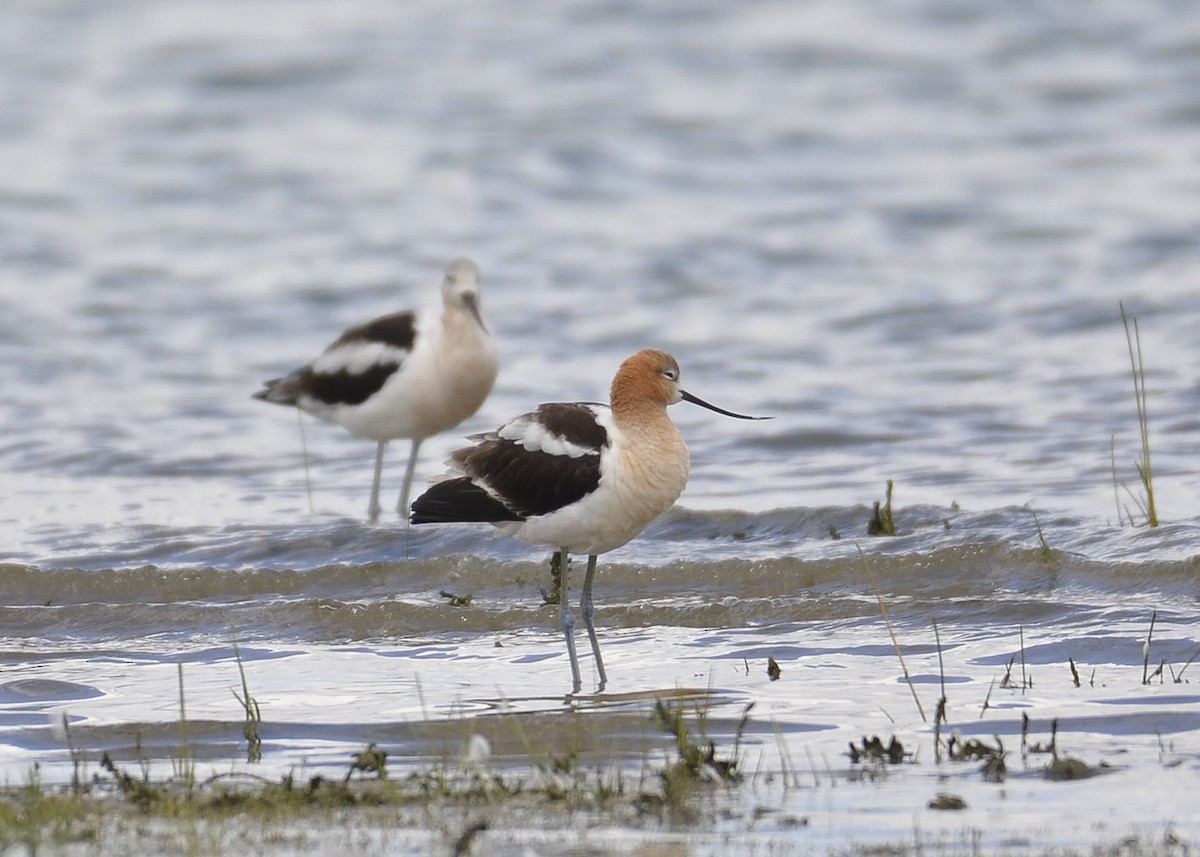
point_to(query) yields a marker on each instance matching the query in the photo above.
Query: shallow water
(902, 230)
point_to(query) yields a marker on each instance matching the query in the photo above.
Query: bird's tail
(280, 391)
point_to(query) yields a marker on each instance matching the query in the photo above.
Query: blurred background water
(904, 229)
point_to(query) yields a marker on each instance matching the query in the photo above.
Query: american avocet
(404, 375)
(579, 477)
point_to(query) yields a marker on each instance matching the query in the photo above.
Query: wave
(343, 580)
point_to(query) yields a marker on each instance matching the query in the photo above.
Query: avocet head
(461, 288)
(654, 375)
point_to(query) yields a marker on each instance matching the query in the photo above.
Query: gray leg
(304, 450)
(406, 491)
(567, 620)
(589, 610)
(373, 508)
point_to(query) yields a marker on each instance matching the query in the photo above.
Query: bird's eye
(671, 374)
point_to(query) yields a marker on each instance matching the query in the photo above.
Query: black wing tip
(459, 501)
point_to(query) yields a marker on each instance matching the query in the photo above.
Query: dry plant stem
(812, 767)
(891, 633)
(1116, 482)
(1146, 649)
(1133, 340)
(186, 769)
(987, 700)
(1046, 550)
(939, 716)
(1179, 678)
(250, 707)
(740, 731)
(76, 783)
(937, 637)
(791, 776)
(1024, 677)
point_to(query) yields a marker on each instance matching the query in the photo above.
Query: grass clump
(31, 816)
(882, 523)
(946, 801)
(118, 798)
(874, 750)
(251, 710)
(1143, 501)
(697, 763)
(554, 593)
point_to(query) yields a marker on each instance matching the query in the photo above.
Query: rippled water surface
(902, 229)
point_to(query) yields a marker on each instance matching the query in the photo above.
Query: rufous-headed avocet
(577, 477)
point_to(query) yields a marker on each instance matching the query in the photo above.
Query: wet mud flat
(993, 744)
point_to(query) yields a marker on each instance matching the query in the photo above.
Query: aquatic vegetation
(1177, 678)
(39, 818)
(882, 523)
(462, 845)
(1143, 501)
(973, 749)
(31, 816)
(697, 763)
(76, 756)
(1026, 747)
(947, 801)
(874, 750)
(455, 600)
(372, 760)
(553, 595)
(139, 792)
(250, 707)
(1047, 551)
(1026, 680)
(1146, 652)
(1069, 768)
(1074, 672)
(184, 764)
(466, 796)
(891, 632)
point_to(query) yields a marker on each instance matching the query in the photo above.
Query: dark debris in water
(994, 769)
(947, 801)
(370, 761)
(455, 600)
(463, 844)
(1038, 747)
(972, 749)
(1070, 768)
(874, 750)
